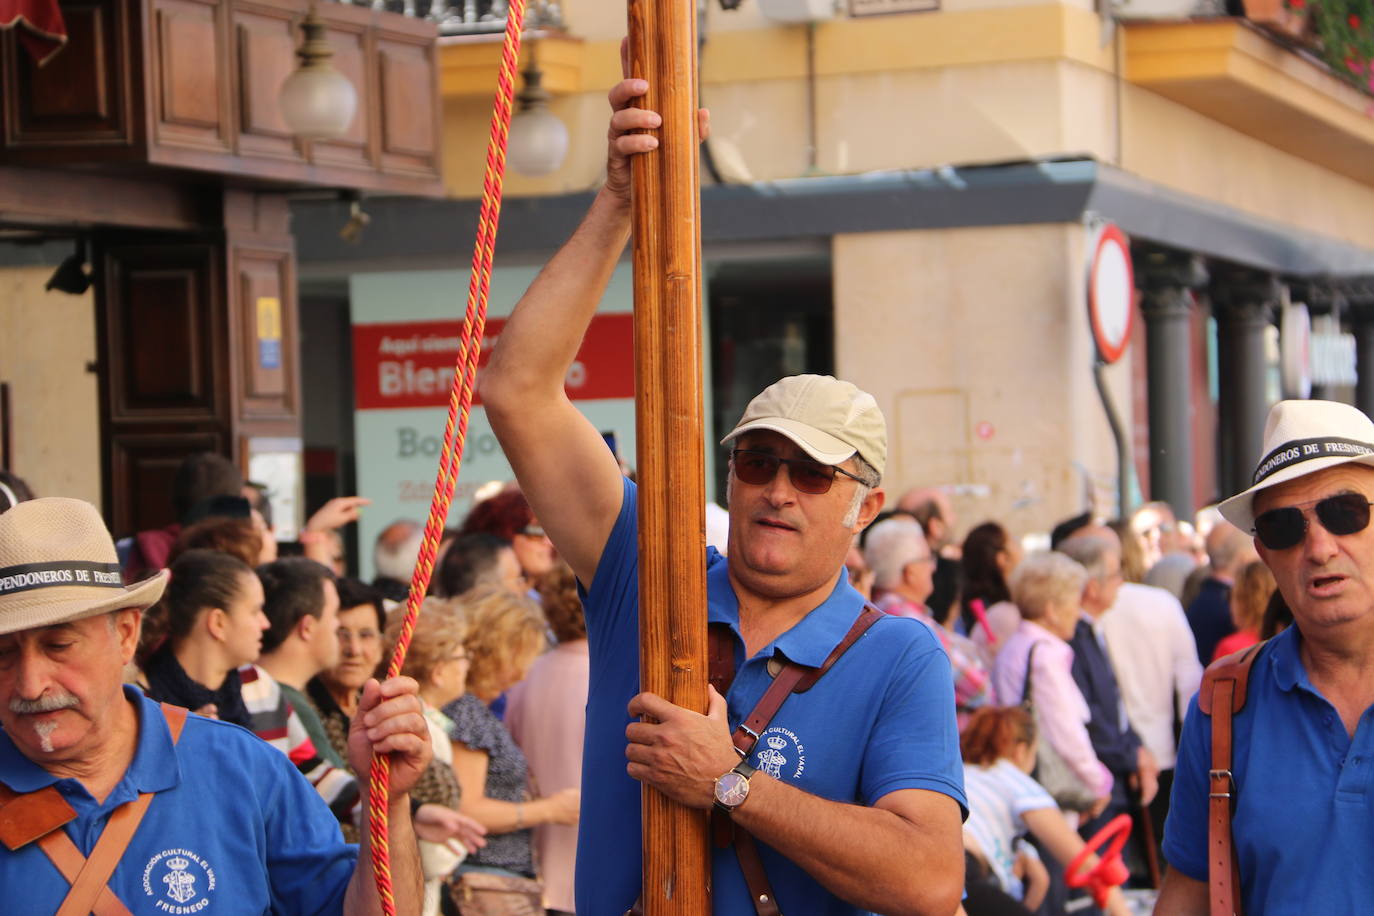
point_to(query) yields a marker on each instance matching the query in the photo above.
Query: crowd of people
(1066, 653)
(901, 720)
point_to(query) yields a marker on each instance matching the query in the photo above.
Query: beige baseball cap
(58, 564)
(829, 419)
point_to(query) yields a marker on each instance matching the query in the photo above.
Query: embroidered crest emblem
(179, 881)
(780, 753)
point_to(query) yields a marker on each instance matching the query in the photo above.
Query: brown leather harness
(39, 816)
(1222, 696)
(793, 678)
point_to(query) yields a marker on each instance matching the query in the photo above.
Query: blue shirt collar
(811, 639)
(1289, 672)
(153, 769)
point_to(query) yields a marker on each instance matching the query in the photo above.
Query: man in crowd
(864, 763)
(175, 800)
(1299, 779)
(1098, 550)
(932, 508)
(902, 564)
(1209, 615)
(479, 559)
(1155, 660)
(301, 602)
(394, 557)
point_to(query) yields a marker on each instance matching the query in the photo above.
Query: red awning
(39, 25)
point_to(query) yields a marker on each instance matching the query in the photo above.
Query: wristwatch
(733, 787)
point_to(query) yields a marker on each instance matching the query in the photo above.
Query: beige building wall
(49, 340)
(976, 344)
(978, 82)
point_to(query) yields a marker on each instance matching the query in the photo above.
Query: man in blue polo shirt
(108, 800)
(856, 792)
(1303, 749)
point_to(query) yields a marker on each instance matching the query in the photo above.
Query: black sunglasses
(1342, 514)
(759, 469)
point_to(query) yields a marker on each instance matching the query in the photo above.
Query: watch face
(731, 789)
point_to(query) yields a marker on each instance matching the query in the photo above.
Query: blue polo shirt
(1304, 816)
(233, 828)
(881, 719)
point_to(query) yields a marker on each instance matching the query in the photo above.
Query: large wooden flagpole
(669, 431)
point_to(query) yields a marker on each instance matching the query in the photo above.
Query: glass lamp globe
(538, 141)
(317, 101)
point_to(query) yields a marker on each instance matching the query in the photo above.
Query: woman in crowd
(1278, 616)
(508, 516)
(506, 633)
(546, 713)
(1249, 600)
(335, 692)
(989, 556)
(238, 537)
(439, 663)
(1047, 588)
(212, 613)
(1005, 804)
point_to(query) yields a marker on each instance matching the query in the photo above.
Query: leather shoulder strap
(1221, 696)
(1234, 667)
(720, 657)
(792, 678)
(25, 818)
(795, 678)
(176, 720)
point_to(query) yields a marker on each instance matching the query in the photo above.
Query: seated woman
(1005, 804)
(439, 663)
(212, 614)
(506, 633)
(1047, 589)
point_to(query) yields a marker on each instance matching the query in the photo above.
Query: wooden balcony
(191, 85)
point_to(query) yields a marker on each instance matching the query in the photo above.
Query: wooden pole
(669, 431)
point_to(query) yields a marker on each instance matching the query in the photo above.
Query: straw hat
(58, 564)
(829, 419)
(1301, 438)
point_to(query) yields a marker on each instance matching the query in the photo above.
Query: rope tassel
(455, 427)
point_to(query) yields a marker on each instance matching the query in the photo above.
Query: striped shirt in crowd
(997, 797)
(276, 722)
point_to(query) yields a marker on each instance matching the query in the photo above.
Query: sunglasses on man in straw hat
(1302, 438)
(58, 564)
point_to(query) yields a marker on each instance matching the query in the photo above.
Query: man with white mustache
(112, 804)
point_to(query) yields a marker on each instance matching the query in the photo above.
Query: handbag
(477, 893)
(1052, 771)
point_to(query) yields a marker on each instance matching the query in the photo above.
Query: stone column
(1166, 279)
(1243, 302)
(1361, 311)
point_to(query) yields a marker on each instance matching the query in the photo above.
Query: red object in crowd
(1110, 871)
(976, 605)
(38, 24)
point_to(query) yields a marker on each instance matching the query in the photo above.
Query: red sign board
(411, 364)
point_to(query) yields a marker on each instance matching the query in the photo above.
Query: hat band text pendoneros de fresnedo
(1295, 452)
(29, 576)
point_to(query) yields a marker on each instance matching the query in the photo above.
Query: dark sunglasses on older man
(759, 469)
(1342, 514)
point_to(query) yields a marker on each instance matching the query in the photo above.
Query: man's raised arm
(572, 481)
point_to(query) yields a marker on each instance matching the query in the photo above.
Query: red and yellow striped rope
(455, 427)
